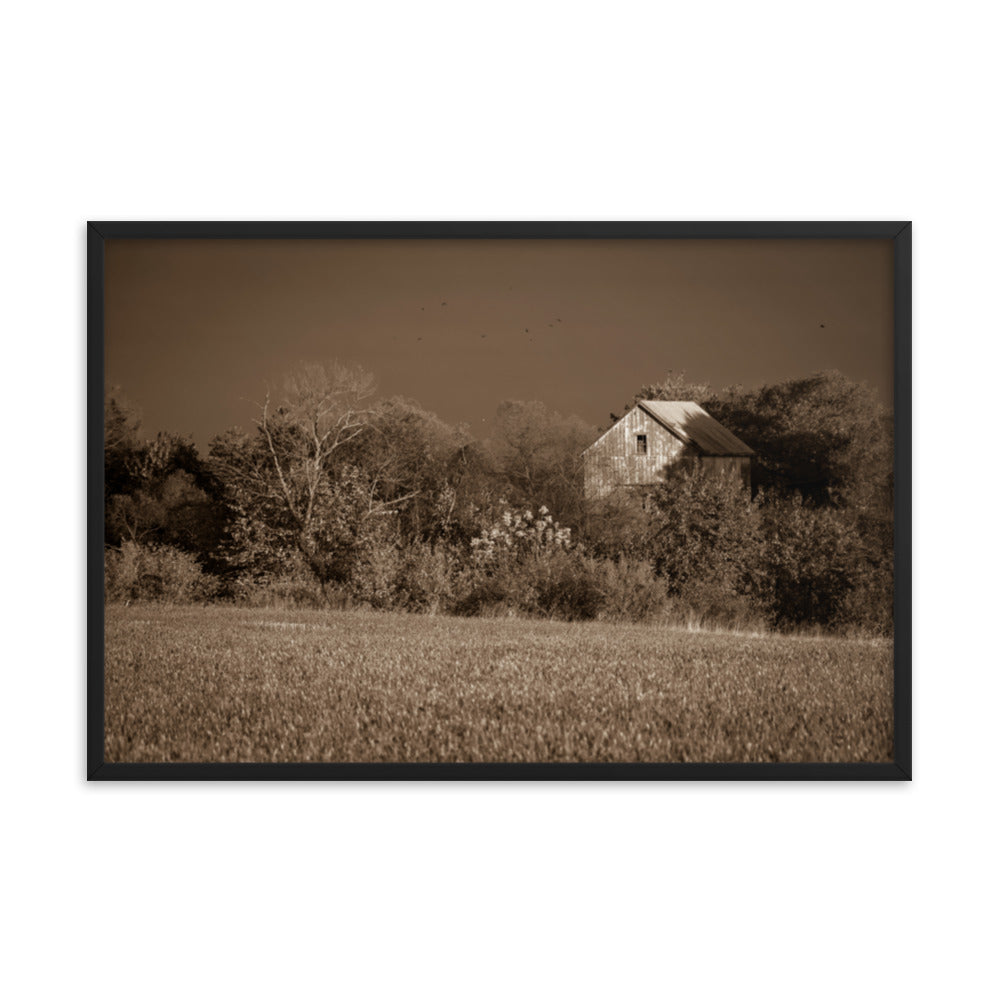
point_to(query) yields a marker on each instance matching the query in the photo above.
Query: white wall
(520, 110)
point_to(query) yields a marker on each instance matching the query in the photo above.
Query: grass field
(232, 684)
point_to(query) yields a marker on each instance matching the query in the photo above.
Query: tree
(822, 436)
(406, 453)
(813, 561)
(673, 386)
(292, 486)
(707, 533)
(157, 491)
(121, 442)
(540, 455)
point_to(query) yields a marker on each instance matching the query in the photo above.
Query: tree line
(335, 498)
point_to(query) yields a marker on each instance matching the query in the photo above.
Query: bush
(552, 584)
(706, 604)
(517, 534)
(622, 524)
(480, 594)
(563, 585)
(708, 533)
(374, 575)
(427, 577)
(630, 590)
(813, 560)
(137, 572)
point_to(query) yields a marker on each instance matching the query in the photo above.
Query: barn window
(640, 444)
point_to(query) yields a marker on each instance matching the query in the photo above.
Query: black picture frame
(899, 769)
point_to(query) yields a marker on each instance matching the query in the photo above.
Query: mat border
(900, 769)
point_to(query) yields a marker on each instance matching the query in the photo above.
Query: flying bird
(444, 303)
(822, 326)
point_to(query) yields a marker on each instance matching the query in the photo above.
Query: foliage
(428, 577)
(285, 487)
(334, 500)
(621, 525)
(673, 386)
(157, 492)
(405, 451)
(813, 560)
(121, 442)
(168, 510)
(538, 454)
(518, 533)
(137, 572)
(823, 436)
(706, 532)
(630, 590)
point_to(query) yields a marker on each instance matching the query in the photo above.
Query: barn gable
(655, 435)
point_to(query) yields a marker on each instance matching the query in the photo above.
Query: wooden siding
(613, 459)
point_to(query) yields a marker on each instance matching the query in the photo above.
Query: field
(233, 684)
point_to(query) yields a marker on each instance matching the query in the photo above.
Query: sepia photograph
(529, 500)
(484, 525)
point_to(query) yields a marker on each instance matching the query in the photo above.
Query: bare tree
(296, 484)
(322, 411)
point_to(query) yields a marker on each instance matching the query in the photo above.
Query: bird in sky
(822, 326)
(444, 303)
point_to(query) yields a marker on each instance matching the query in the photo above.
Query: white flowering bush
(519, 533)
(526, 563)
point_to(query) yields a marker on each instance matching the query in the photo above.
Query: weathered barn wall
(613, 461)
(731, 465)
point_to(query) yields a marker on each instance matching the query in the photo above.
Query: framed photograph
(504, 501)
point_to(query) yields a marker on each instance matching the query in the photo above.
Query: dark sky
(196, 327)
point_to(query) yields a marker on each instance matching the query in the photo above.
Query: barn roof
(688, 421)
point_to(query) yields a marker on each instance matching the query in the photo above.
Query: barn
(656, 435)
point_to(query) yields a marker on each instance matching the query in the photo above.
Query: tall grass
(232, 684)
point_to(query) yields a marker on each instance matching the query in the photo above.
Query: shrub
(622, 524)
(630, 589)
(813, 560)
(708, 533)
(707, 604)
(137, 572)
(427, 577)
(516, 534)
(481, 594)
(554, 584)
(374, 575)
(561, 584)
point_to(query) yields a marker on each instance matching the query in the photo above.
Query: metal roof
(694, 426)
